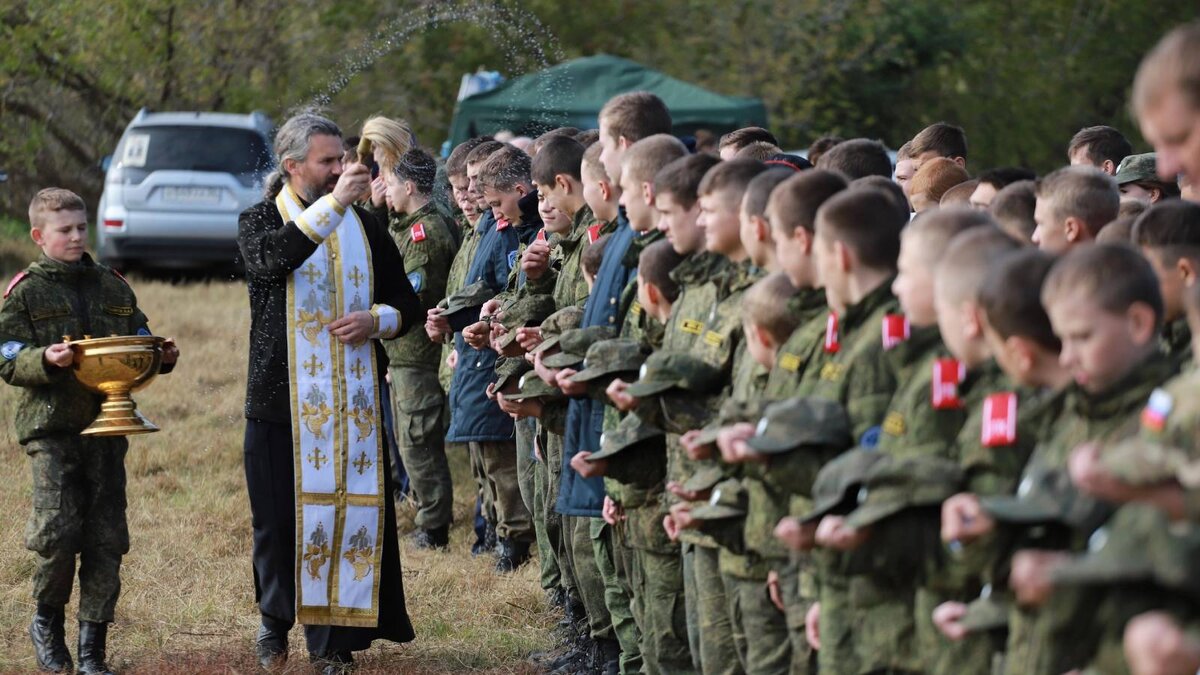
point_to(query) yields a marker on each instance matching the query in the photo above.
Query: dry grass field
(187, 603)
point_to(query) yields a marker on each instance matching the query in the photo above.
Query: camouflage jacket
(1177, 341)
(454, 282)
(426, 241)
(802, 350)
(45, 304)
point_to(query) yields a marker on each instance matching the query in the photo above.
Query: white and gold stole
(336, 420)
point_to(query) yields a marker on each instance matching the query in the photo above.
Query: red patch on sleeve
(418, 232)
(593, 233)
(947, 375)
(999, 420)
(15, 280)
(895, 330)
(832, 344)
(541, 235)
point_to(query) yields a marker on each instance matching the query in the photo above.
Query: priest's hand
(353, 184)
(353, 328)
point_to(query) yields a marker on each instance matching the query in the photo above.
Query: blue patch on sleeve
(512, 259)
(870, 438)
(144, 331)
(9, 349)
(415, 279)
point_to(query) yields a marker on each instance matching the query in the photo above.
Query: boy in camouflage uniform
(78, 481)
(1169, 236)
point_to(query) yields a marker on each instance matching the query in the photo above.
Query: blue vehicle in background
(174, 187)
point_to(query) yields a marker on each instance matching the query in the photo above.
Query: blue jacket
(579, 496)
(473, 416)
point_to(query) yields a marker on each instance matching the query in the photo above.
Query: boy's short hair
(935, 177)
(959, 194)
(50, 200)
(681, 178)
(731, 176)
(644, 158)
(1010, 296)
(858, 157)
(560, 155)
(740, 138)
(1082, 192)
(905, 151)
(591, 163)
(1003, 176)
(797, 199)
(655, 264)
(765, 305)
(866, 221)
(417, 166)
(587, 137)
(1013, 208)
(456, 163)
(1119, 231)
(636, 115)
(943, 138)
(481, 152)
(1132, 208)
(758, 192)
(1100, 143)
(1171, 228)
(938, 227)
(966, 260)
(505, 169)
(540, 142)
(887, 185)
(593, 255)
(1173, 64)
(758, 150)
(1113, 276)
(822, 146)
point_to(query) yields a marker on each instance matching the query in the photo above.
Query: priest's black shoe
(271, 648)
(50, 640)
(436, 538)
(93, 638)
(513, 554)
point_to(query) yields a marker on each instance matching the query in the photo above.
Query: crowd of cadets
(762, 415)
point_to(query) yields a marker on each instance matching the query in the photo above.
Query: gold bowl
(116, 366)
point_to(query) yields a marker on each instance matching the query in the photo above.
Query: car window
(240, 152)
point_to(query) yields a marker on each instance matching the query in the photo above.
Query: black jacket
(272, 250)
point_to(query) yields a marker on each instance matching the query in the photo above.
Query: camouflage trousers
(479, 473)
(796, 587)
(548, 522)
(589, 585)
(718, 655)
(417, 403)
(759, 629)
(657, 581)
(513, 520)
(550, 577)
(78, 510)
(611, 559)
(526, 432)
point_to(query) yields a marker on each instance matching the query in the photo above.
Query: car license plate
(192, 195)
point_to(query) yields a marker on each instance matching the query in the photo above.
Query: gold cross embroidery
(322, 219)
(317, 458)
(356, 276)
(357, 369)
(311, 273)
(312, 365)
(362, 463)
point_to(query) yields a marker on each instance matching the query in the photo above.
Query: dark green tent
(572, 93)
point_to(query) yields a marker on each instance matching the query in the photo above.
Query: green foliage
(1020, 77)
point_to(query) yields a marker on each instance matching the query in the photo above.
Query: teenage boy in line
(1073, 204)
(1169, 236)
(756, 233)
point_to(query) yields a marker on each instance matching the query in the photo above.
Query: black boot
(50, 640)
(93, 637)
(436, 538)
(606, 657)
(487, 544)
(513, 554)
(332, 663)
(271, 647)
(575, 660)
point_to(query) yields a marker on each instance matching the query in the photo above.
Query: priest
(326, 283)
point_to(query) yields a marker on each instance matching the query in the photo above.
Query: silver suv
(175, 185)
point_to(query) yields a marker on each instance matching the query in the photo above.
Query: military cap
(1136, 168)
(797, 422)
(472, 295)
(683, 411)
(1142, 462)
(530, 310)
(608, 357)
(728, 500)
(556, 324)
(573, 345)
(1044, 496)
(631, 431)
(704, 479)
(732, 411)
(510, 369)
(894, 484)
(1139, 544)
(665, 370)
(532, 386)
(986, 612)
(838, 481)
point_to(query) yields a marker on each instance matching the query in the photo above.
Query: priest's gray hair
(292, 142)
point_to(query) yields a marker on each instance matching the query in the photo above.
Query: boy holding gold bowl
(78, 481)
